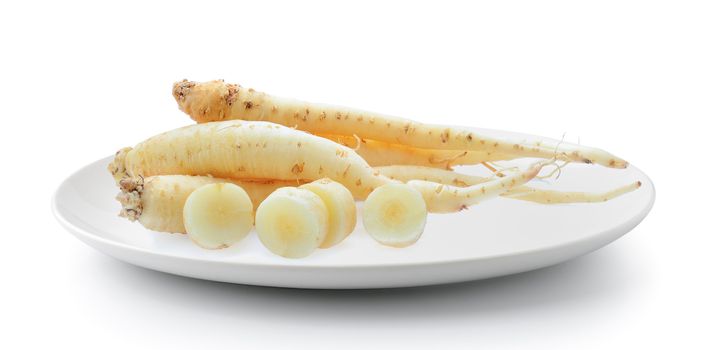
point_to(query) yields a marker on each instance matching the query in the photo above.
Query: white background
(80, 80)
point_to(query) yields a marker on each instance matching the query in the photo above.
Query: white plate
(497, 237)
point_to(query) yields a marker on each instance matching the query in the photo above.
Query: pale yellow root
(157, 202)
(257, 150)
(378, 153)
(247, 150)
(217, 100)
(406, 173)
(442, 198)
(525, 193)
(559, 197)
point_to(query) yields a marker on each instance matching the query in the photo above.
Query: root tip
(130, 198)
(618, 164)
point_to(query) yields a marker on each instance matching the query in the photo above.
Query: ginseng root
(217, 100)
(262, 150)
(441, 198)
(158, 201)
(378, 153)
(525, 193)
(247, 150)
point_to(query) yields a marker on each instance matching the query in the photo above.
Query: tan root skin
(217, 100)
(157, 203)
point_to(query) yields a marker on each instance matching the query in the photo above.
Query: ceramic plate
(497, 237)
